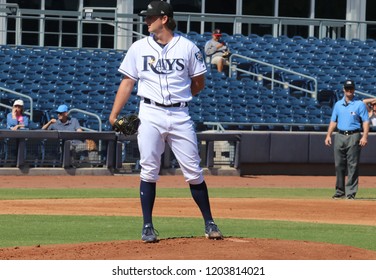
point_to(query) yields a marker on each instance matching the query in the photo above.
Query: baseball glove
(127, 125)
(91, 145)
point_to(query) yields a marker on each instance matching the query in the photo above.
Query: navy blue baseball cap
(349, 84)
(158, 8)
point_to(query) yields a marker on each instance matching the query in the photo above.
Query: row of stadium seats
(88, 80)
(328, 60)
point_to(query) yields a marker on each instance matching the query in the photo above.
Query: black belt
(348, 132)
(181, 104)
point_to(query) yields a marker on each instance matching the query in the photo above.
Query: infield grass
(301, 193)
(34, 230)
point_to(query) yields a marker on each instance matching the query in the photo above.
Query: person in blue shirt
(63, 122)
(350, 116)
(17, 119)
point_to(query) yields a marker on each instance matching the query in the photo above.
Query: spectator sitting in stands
(217, 50)
(371, 107)
(65, 123)
(16, 119)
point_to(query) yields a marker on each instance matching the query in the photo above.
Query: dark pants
(346, 157)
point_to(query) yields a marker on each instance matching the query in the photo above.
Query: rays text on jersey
(162, 66)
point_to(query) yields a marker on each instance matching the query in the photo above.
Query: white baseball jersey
(164, 74)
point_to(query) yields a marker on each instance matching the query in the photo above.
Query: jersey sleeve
(197, 64)
(128, 66)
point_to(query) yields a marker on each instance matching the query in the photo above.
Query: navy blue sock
(201, 197)
(147, 195)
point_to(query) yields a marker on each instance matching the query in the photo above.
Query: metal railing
(90, 114)
(220, 126)
(30, 112)
(233, 67)
(132, 24)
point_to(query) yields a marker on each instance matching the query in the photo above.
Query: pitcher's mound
(231, 248)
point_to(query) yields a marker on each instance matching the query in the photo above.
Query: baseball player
(169, 69)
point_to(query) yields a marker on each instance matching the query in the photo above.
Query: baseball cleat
(212, 231)
(149, 234)
(338, 196)
(351, 197)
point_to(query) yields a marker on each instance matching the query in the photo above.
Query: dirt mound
(191, 249)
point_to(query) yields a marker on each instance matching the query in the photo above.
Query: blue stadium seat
(241, 118)
(253, 109)
(50, 69)
(209, 117)
(300, 111)
(4, 77)
(197, 117)
(225, 117)
(326, 97)
(239, 37)
(270, 110)
(326, 110)
(317, 122)
(210, 108)
(273, 122)
(223, 100)
(285, 110)
(303, 122)
(241, 109)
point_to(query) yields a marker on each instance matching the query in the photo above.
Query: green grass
(32, 230)
(30, 193)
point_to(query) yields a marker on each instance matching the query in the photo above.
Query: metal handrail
(233, 67)
(30, 113)
(219, 126)
(90, 114)
(364, 94)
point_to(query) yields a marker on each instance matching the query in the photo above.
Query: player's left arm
(197, 84)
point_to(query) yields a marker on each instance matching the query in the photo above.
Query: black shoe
(338, 196)
(212, 231)
(351, 197)
(149, 234)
